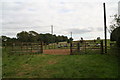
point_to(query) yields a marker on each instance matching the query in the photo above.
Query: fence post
(85, 48)
(45, 46)
(101, 42)
(27, 47)
(21, 46)
(13, 47)
(31, 47)
(78, 47)
(54, 45)
(41, 49)
(70, 48)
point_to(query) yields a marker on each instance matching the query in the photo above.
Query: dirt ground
(57, 51)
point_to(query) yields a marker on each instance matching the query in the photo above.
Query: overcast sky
(84, 18)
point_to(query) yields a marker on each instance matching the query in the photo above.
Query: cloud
(80, 31)
(100, 29)
(77, 16)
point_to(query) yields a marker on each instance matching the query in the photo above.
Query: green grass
(59, 66)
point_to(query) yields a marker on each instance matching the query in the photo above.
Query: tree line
(33, 36)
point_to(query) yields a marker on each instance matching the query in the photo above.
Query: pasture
(59, 66)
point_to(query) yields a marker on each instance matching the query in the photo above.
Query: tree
(115, 23)
(33, 36)
(115, 30)
(70, 40)
(33, 33)
(115, 36)
(98, 38)
(23, 36)
(5, 38)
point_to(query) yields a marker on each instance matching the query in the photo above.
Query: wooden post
(31, 47)
(78, 47)
(45, 46)
(102, 52)
(21, 46)
(27, 47)
(37, 49)
(85, 47)
(71, 48)
(54, 45)
(41, 49)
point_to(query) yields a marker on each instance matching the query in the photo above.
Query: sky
(119, 8)
(84, 18)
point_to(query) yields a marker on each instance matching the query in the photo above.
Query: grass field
(59, 66)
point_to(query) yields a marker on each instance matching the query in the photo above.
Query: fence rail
(85, 46)
(24, 47)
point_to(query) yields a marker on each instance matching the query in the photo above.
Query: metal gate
(24, 47)
(86, 47)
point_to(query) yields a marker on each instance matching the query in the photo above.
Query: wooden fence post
(31, 47)
(71, 48)
(78, 47)
(27, 47)
(85, 48)
(37, 44)
(54, 45)
(21, 46)
(45, 46)
(41, 49)
(101, 42)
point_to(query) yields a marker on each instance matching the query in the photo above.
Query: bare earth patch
(57, 51)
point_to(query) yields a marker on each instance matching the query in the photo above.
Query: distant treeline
(33, 36)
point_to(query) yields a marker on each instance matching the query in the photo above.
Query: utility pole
(52, 29)
(71, 34)
(105, 27)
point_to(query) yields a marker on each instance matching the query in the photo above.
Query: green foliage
(33, 36)
(59, 66)
(23, 36)
(115, 30)
(115, 37)
(5, 38)
(69, 40)
(115, 23)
